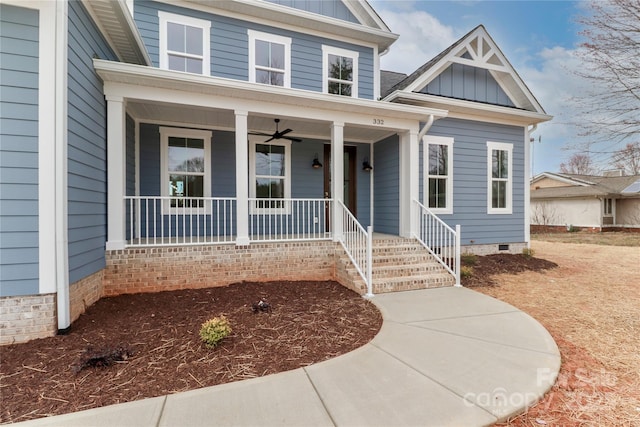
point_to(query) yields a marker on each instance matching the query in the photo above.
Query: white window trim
(253, 141)
(271, 38)
(437, 140)
(330, 50)
(500, 146)
(164, 18)
(604, 207)
(165, 133)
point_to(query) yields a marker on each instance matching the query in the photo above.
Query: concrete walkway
(447, 356)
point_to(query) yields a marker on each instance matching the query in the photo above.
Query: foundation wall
(514, 248)
(171, 268)
(84, 293)
(25, 318)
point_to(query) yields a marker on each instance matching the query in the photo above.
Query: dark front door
(349, 176)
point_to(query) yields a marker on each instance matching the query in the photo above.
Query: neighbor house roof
(587, 186)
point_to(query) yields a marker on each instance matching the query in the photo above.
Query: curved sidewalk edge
(447, 356)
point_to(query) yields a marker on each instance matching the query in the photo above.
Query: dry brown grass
(612, 238)
(591, 306)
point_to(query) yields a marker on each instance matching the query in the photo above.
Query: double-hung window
(340, 71)
(608, 207)
(184, 43)
(270, 175)
(499, 177)
(438, 173)
(186, 167)
(269, 59)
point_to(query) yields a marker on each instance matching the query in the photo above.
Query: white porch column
(116, 139)
(409, 185)
(242, 178)
(337, 177)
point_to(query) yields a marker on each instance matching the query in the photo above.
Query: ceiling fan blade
(271, 139)
(284, 132)
(290, 138)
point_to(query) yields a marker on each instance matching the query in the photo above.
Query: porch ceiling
(214, 118)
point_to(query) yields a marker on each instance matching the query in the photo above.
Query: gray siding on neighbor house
(331, 8)
(386, 199)
(470, 83)
(87, 147)
(230, 48)
(470, 181)
(19, 258)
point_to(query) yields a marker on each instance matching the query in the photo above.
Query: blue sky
(539, 38)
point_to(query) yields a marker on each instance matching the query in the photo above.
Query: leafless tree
(608, 111)
(579, 164)
(628, 158)
(545, 214)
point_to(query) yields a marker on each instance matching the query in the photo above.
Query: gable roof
(388, 79)
(475, 49)
(587, 186)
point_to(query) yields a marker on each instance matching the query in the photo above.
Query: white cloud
(422, 37)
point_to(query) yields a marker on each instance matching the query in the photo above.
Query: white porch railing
(358, 243)
(170, 221)
(282, 220)
(442, 241)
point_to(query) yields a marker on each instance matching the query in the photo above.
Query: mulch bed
(482, 268)
(131, 347)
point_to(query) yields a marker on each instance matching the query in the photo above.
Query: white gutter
(426, 127)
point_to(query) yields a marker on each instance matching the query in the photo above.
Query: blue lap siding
(386, 186)
(229, 48)
(87, 148)
(470, 190)
(19, 45)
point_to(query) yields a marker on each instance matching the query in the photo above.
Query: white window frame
(331, 50)
(165, 18)
(447, 141)
(271, 38)
(253, 141)
(612, 207)
(499, 146)
(165, 134)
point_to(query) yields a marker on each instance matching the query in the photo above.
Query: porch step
(401, 264)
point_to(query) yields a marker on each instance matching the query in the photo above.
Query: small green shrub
(214, 330)
(469, 259)
(466, 272)
(528, 252)
(572, 229)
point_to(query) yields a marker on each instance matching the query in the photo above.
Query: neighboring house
(155, 145)
(560, 200)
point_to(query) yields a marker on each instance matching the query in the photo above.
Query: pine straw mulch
(151, 345)
(590, 304)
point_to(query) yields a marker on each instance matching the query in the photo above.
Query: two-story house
(155, 145)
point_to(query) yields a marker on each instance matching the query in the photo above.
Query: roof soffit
(478, 49)
(372, 29)
(116, 24)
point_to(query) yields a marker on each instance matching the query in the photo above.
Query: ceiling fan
(277, 134)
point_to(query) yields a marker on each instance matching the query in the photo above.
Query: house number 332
(378, 121)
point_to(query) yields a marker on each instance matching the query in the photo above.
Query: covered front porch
(196, 160)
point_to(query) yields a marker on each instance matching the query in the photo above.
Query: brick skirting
(25, 318)
(170, 268)
(84, 293)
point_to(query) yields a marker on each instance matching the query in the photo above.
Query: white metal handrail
(442, 241)
(280, 220)
(171, 221)
(358, 244)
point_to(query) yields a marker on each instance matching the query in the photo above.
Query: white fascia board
(560, 178)
(275, 15)
(366, 14)
(471, 110)
(248, 95)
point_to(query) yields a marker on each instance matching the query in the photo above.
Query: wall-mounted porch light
(316, 163)
(366, 166)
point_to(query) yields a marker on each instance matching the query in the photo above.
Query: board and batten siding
(229, 50)
(19, 238)
(386, 199)
(470, 188)
(331, 8)
(470, 83)
(87, 146)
